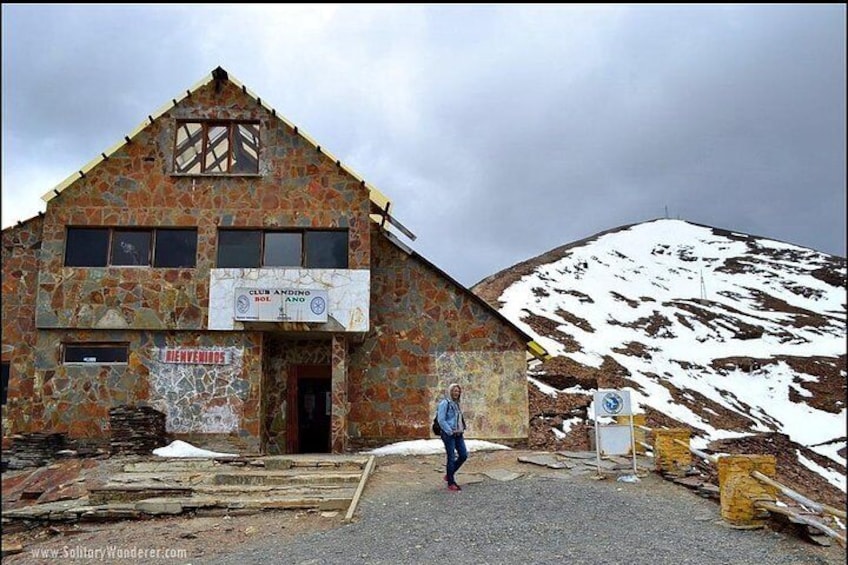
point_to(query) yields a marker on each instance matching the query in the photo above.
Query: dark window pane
(282, 249)
(130, 247)
(4, 381)
(326, 249)
(175, 248)
(87, 247)
(95, 353)
(239, 249)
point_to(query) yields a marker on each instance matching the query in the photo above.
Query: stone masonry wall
(220, 401)
(21, 247)
(427, 332)
(297, 186)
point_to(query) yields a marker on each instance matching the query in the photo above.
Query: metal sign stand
(609, 438)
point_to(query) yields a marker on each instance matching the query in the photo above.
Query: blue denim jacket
(450, 416)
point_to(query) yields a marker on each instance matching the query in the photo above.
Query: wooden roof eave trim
(378, 199)
(56, 190)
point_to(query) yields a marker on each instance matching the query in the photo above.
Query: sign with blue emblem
(616, 438)
(280, 305)
(612, 403)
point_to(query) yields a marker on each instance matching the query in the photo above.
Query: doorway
(310, 409)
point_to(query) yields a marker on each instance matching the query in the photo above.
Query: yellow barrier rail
(827, 530)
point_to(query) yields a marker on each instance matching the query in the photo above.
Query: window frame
(304, 250)
(205, 126)
(111, 242)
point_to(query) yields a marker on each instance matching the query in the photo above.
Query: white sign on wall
(280, 305)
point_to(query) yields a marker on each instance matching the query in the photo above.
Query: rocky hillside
(738, 338)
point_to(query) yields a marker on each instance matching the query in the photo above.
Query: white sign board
(280, 305)
(614, 440)
(612, 403)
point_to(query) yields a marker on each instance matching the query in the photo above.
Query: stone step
(172, 466)
(282, 462)
(128, 493)
(242, 502)
(286, 477)
(261, 498)
(274, 462)
(223, 475)
(346, 489)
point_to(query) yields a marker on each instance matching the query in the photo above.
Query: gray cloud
(499, 131)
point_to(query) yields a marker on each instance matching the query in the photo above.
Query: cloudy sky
(499, 131)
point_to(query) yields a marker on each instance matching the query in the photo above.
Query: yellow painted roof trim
(538, 351)
(378, 199)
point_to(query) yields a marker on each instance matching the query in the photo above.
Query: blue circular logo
(613, 403)
(317, 305)
(242, 304)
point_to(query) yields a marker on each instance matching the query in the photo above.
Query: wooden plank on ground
(365, 474)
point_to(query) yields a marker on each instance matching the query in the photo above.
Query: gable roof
(380, 204)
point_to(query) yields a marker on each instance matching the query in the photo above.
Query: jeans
(456, 452)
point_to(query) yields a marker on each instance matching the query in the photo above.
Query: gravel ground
(539, 518)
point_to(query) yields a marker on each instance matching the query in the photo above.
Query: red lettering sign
(193, 356)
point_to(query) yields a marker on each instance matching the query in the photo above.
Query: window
(312, 249)
(325, 249)
(122, 247)
(239, 248)
(175, 248)
(217, 148)
(87, 247)
(130, 247)
(4, 381)
(99, 353)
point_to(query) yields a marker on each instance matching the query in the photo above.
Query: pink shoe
(454, 487)
(446, 478)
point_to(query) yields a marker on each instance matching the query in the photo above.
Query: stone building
(220, 266)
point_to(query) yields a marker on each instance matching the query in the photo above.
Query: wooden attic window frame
(197, 141)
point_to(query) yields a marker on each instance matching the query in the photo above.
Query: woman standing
(452, 423)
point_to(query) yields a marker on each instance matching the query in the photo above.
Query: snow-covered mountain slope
(725, 333)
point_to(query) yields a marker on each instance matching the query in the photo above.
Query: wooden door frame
(297, 372)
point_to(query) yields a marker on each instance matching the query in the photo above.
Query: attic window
(217, 148)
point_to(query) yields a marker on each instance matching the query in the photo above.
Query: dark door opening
(313, 417)
(310, 404)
